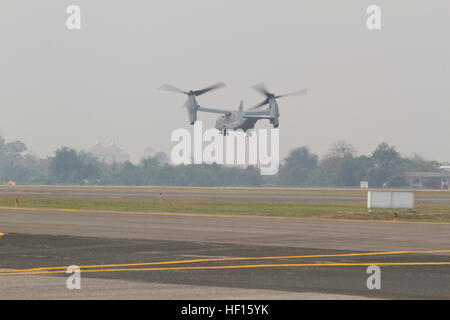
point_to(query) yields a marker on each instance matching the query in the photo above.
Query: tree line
(340, 167)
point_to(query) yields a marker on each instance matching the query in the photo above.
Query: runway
(223, 194)
(126, 255)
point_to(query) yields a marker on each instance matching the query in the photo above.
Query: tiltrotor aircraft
(239, 119)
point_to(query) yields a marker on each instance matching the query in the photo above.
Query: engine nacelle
(274, 113)
(275, 122)
(192, 107)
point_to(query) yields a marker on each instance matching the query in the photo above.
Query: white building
(109, 154)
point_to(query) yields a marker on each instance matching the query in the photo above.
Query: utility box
(364, 184)
(390, 200)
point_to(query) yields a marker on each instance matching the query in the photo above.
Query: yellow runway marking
(176, 214)
(137, 213)
(230, 259)
(247, 266)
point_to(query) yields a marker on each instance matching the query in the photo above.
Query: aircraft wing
(265, 114)
(226, 112)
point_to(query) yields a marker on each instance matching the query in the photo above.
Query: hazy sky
(61, 87)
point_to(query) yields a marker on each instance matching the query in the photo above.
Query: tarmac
(139, 255)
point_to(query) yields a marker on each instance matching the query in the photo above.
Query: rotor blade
(294, 93)
(260, 87)
(260, 104)
(213, 87)
(168, 87)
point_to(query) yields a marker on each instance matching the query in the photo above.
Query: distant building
(109, 154)
(416, 179)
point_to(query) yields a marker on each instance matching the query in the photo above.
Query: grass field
(336, 210)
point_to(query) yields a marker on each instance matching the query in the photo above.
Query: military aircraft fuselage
(235, 121)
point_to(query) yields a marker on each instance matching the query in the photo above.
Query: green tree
(388, 163)
(341, 167)
(342, 149)
(69, 167)
(15, 164)
(298, 167)
(386, 156)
